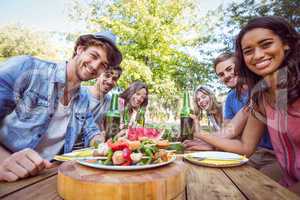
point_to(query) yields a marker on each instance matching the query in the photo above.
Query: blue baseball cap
(107, 36)
(110, 38)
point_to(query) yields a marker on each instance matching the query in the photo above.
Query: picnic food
(125, 152)
(177, 146)
(139, 132)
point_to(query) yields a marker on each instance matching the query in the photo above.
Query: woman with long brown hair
(133, 103)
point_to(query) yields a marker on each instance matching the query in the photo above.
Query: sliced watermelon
(136, 133)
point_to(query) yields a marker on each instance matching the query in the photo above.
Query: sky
(45, 15)
(51, 15)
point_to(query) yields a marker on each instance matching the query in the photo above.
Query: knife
(217, 159)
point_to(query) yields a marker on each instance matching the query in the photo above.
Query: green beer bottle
(141, 117)
(112, 119)
(126, 117)
(186, 122)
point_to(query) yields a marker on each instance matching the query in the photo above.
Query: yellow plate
(75, 155)
(216, 159)
(62, 158)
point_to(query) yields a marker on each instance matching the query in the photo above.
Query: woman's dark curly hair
(288, 71)
(132, 89)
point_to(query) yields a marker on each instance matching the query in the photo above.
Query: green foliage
(154, 38)
(150, 31)
(17, 40)
(238, 14)
(241, 12)
(224, 24)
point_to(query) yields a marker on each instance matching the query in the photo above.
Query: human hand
(98, 139)
(200, 133)
(194, 117)
(122, 133)
(122, 126)
(197, 144)
(22, 164)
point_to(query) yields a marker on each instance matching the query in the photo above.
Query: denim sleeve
(90, 129)
(13, 81)
(228, 113)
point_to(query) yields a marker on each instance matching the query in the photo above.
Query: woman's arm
(234, 127)
(246, 145)
(196, 125)
(219, 116)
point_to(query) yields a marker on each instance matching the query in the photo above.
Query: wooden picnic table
(243, 182)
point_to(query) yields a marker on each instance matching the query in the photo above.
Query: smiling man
(100, 98)
(225, 69)
(42, 107)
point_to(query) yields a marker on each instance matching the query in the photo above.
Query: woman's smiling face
(138, 98)
(263, 51)
(203, 100)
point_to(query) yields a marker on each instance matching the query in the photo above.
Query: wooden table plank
(45, 189)
(180, 197)
(7, 188)
(256, 185)
(210, 183)
(202, 183)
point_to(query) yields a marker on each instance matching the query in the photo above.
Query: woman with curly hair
(268, 55)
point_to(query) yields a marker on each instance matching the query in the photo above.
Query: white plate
(216, 159)
(124, 168)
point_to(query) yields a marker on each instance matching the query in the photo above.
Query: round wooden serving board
(80, 182)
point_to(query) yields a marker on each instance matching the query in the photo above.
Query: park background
(168, 44)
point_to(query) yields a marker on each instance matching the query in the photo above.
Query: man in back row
(100, 98)
(42, 108)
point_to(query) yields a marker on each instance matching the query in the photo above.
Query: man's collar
(60, 73)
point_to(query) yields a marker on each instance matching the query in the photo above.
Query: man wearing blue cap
(42, 108)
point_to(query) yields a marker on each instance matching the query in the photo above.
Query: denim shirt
(29, 93)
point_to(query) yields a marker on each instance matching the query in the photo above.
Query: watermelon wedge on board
(136, 133)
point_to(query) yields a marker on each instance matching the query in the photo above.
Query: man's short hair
(113, 55)
(116, 68)
(222, 57)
